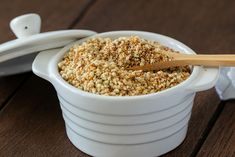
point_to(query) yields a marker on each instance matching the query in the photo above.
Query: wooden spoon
(179, 59)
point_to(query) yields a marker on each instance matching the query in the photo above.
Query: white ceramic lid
(16, 56)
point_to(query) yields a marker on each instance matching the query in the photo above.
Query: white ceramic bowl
(153, 131)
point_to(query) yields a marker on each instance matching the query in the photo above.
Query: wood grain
(179, 59)
(32, 125)
(205, 26)
(221, 140)
(205, 106)
(17, 120)
(8, 86)
(54, 16)
(188, 21)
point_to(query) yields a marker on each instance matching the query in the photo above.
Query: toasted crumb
(99, 66)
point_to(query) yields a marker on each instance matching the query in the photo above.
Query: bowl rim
(55, 76)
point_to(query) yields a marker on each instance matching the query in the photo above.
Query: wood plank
(188, 21)
(205, 26)
(17, 127)
(8, 85)
(32, 125)
(221, 140)
(54, 16)
(43, 134)
(205, 106)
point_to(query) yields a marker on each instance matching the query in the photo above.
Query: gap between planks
(11, 95)
(72, 25)
(208, 129)
(82, 14)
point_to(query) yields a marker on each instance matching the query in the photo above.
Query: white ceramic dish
(16, 56)
(100, 144)
(17, 65)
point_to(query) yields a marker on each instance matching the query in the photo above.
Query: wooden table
(31, 123)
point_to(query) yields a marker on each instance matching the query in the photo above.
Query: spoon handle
(184, 59)
(207, 60)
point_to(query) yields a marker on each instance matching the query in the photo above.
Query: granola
(99, 66)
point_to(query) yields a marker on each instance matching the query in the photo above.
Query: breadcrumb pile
(99, 66)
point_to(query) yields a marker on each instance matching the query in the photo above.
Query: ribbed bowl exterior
(127, 129)
(150, 149)
(148, 134)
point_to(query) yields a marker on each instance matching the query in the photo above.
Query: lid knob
(26, 25)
